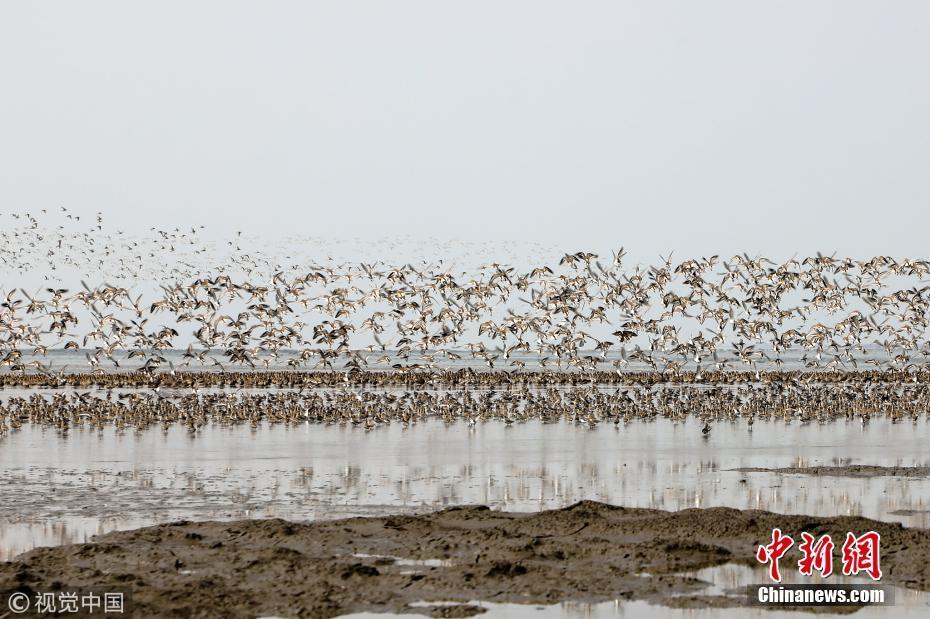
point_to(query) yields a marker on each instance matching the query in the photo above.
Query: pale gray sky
(703, 127)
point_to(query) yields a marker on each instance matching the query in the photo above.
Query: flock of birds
(788, 401)
(583, 320)
(699, 314)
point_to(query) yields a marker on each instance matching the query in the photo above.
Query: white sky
(700, 127)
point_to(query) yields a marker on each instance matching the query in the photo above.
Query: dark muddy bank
(589, 551)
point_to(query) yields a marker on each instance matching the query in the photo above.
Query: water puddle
(406, 562)
(726, 581)
(644, 610)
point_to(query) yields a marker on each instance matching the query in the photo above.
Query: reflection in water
(723, 580)
(57, 489)
(635, 610)
(731, 579)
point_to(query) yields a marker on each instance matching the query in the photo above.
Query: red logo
(859, 554)
(773, 552)
(817, 555)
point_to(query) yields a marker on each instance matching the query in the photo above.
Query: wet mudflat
(588, 552)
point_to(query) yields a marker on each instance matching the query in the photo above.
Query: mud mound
(588, 551)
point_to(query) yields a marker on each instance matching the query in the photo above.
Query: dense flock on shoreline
(789, 401)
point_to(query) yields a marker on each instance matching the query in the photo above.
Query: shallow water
(634, 610)
(729, 580)
(58, 489)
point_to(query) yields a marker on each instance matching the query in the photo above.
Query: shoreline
(373, 405)
(850, 470)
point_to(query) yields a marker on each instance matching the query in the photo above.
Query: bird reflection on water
(326, 471)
